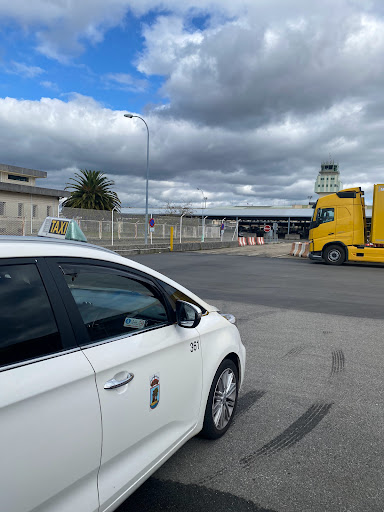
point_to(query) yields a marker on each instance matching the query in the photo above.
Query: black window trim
(73, 313)
(65, 330)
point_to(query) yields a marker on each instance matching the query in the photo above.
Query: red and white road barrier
(300, 249)
(295, 249)
(251, 240)
(304, 253)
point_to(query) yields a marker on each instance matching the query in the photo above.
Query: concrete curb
(157, 248)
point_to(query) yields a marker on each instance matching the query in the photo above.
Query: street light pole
(130, 116)
(203, 237)
(181, 224)
(202, 213)
(113, 209)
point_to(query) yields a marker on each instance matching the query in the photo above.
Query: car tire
(222, 401)
(334, 255)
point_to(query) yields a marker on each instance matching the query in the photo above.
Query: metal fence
(113, 228)
(117, 228)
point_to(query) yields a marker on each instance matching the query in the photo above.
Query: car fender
(219, 338)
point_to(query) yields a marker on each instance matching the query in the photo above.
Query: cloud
(244, 74)
(275, 163)
(21, 69)
(50, 85)
(256, 95)
(124, 82)
(61, 28)
(167, 43)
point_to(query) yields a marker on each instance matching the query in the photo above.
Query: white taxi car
(106, 369)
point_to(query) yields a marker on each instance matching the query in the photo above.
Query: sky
(243, 99)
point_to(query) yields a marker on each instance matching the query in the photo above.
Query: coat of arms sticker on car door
(154, 390)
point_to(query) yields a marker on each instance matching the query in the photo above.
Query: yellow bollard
(171, 241)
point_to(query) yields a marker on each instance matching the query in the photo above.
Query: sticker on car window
(154, 390)
(135, 323)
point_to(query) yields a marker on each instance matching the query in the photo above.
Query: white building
(23, 205)
(328, 179)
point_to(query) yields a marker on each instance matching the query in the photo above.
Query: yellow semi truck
(338, 230)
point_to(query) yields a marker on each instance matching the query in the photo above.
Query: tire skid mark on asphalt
(244, 403)
(292, 435)
(338, 362)
(209, 478)
(295, 351)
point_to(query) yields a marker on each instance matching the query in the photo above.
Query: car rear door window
(113, 303)
(28, 325)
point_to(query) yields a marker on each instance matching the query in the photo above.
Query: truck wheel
(334, 255)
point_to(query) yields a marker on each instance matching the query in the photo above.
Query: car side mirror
(187, 315)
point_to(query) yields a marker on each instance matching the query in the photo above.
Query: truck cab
(338, 223)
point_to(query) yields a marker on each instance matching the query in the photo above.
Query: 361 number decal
(194, 345)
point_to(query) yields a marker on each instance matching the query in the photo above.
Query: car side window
(28, 325)
(112, 303)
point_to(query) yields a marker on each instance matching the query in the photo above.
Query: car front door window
(111, 303)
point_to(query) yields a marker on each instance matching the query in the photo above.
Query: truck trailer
(338, 230)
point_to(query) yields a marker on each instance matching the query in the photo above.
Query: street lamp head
(128, 115)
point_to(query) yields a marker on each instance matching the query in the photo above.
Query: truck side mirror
(314, 224)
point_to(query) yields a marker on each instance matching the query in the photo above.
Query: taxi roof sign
(64, 229)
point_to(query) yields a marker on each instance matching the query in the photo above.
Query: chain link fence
(113, 228)
(119, 228)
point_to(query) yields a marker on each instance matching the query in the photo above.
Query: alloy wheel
(224, 399)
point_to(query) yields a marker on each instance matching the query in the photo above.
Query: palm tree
(91, 190)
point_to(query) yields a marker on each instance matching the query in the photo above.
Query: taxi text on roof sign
(66, 229)
(59, 226)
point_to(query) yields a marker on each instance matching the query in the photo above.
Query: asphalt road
(309, 430)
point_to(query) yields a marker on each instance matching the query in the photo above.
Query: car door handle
(113, 383)
(331, 234)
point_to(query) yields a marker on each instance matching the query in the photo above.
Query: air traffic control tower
(328, 179)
